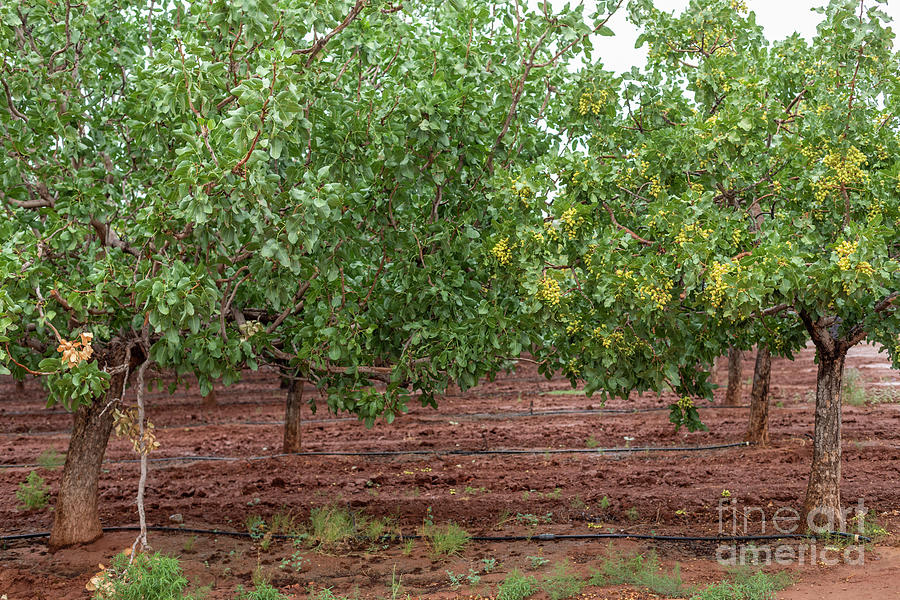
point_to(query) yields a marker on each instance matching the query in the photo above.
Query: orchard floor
(675, 493)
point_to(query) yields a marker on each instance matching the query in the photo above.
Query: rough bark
(76, 518)
(823, 491)
(20, 387)
(293, 402)
(735, 372)
(758, 428)
(209, 400)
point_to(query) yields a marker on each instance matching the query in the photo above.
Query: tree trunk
(735, 372)
(20, 386)
(209, 400)
(758, 430)
(823, 492)
(76, 519)
(293, 402)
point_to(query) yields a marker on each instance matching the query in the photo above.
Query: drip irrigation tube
(541, 537)
(390, 453)
(437, 417)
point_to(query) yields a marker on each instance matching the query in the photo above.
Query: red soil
(674, 492)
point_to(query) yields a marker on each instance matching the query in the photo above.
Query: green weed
(51, 459)
(852, 389)
(641, 571)
(331, 526)
(262, 590)
(147, 577)
(447, 539)
(592, 442)
(517, 586)
(33, 492)
(562, 583)
(537, 561)
(745, 586)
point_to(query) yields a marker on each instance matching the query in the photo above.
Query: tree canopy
(263, 182)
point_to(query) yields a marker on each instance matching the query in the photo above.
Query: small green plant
(456, 581)
(556, 494)
(189, 544)
(396, 584)
(517, 586)
(408, 546)
(256, 527)
(284, 523)
(604, 503)
(592, 442)
(562, 583)
(852, 389)
(871, 527)
(537, 561)
(447, 539)
(294, 562)
(262, 590)
(632, 514)
(533, 520)
(642, 571)
(331, 525)
(745, 586)
(488, 564)
(323, 594)
(33, 492)
(51, 459)
(148, 576)
(377, 528)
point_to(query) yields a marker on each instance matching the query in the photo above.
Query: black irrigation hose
(438, 417)
(618, 450)
(541, 537)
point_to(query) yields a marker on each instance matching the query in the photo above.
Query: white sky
(779, 19)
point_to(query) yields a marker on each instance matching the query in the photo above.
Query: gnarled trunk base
(822, 506)
(76, 519)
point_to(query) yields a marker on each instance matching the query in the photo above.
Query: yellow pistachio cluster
(573, 325)
(848, 168)
(502, 251)
(717, 285)
(522, 191)
(659, 295)
(690, 232)
(571, 221)
(76, 351)
(864, 268)
(697, 187)
(685, 403)
(844, 249)
(655, 186)
(588, 103)
(549, 291)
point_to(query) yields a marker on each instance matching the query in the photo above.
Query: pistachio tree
(729, 192)
(214, 186)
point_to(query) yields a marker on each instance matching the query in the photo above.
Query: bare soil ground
(674, 493)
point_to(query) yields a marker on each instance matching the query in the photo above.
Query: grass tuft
(744, 585)
(447, 539)
(517, 586)
(562, 583)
